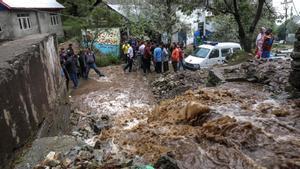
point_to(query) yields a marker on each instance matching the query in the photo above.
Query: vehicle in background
(284, 54)
(210, 54)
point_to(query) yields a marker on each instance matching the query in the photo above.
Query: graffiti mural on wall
(106, 40)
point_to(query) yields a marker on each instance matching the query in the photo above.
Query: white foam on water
(131, 124)
(112, 104)
(91, 141)
(102, 79)
(270, 102)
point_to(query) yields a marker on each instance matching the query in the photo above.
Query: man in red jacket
(175, 58)
(147, 58)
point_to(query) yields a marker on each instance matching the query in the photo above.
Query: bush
(188, 50)
(107, 60)
(239, 57)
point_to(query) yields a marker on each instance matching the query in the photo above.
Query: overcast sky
(280, 8)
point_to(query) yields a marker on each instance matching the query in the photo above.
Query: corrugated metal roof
(28, 4)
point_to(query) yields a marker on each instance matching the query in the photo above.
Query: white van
(209, 54)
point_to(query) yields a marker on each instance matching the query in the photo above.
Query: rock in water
(52, 159)
(192, 111)
(166, 162)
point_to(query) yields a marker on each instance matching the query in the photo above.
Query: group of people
(77, 65)
(264, 42)
(158, 54)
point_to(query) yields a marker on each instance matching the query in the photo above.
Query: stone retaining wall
(33, 94)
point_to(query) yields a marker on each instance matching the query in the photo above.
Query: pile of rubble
(274, 75)
(173, 84)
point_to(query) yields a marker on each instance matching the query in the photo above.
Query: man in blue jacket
(158, 58)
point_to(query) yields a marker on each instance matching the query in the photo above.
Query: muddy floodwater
(235, 125)
(120, 124)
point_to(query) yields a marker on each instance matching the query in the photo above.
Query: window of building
(54, 19)
(24, 21)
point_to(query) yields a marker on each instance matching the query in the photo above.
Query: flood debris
(234, 125)
(173, 84)
(273, 74)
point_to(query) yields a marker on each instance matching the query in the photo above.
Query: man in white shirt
(130, 59)
(259, 42)
(141, 52)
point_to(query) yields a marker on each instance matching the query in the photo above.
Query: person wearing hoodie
(71, 67)
(90, 60)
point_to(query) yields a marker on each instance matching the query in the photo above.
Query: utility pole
(286, 7)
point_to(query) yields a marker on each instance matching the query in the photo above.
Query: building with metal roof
(27, 17)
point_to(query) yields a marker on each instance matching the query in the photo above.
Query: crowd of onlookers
(77, 65)
(142, 54)
(148, 53)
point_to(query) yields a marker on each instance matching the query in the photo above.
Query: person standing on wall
(130, 59)
(267, 44)
(90, 60)
(158, 58)
(259, 42)
(175, 58)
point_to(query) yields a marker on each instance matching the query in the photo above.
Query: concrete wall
(17, 32)
(45, 24)
(33, 93)
(40, 23)
(5, 24)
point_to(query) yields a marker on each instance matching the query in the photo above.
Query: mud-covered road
(118, 123)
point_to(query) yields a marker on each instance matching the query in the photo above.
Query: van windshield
(201, 52)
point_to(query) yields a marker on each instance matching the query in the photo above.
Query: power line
(297, 13)
(286, 7)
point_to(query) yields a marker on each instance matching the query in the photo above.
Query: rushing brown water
(243, 127)
(232, 126)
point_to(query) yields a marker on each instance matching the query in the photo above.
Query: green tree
(291, 27)
(246, 14)
(157, 15)
(81, 15)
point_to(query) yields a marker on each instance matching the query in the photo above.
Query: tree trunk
(169, 27)
(245, 38)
